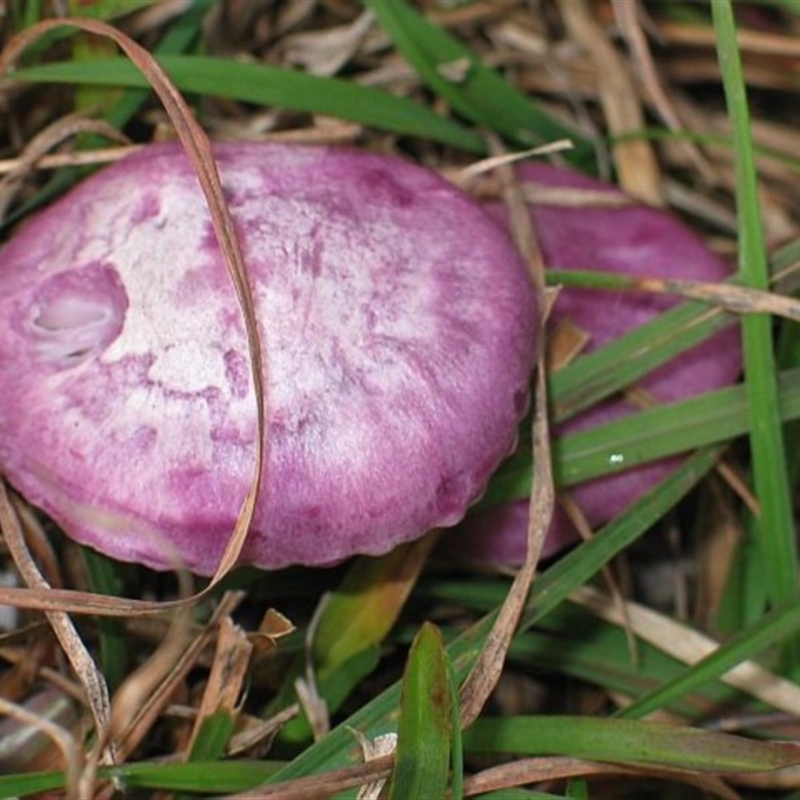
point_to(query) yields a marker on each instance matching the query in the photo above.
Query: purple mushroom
(634, 240)
(398, 325)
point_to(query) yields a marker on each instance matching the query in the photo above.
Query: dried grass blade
(639, 173)
(42, 143)
(62, 738)
(629, 15)
(86, 670)
(157, 680)
(691, 646)
(728, 296)
(321, 787)
(534, 770)
(489, 665)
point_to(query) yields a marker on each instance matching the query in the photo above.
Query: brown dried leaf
(143, 697)
(228, 672)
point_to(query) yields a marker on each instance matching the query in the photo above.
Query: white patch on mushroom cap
(398, 330)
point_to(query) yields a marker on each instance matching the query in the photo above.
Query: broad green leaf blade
(422, 760)
(453, 71)
(355, 620)
(271, 86)
(361, 612)
(629, 742)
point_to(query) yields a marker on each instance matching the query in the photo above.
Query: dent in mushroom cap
(398, 327)
(630, 239)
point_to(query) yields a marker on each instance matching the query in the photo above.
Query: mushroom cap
(630, 239)
(398, 328)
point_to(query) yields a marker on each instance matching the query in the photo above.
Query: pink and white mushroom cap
(398, 330)
(630, 239)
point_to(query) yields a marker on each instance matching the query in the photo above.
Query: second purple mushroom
(618, 237)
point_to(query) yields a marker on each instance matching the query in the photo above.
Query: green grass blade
(477, 93)
(359, 614)
(742, 600)
(213, 736)
(24, 13)
(776, 626)
(335, 686)
(620, 363)
(520, 794)
(571, 641)
(104, 577)
(457, 744)
(711, 418)
(178, 39)
(775, 525)
(579, 565)
(422, 760)
(216, 777)
(669, 430)
(271, 86)
(603, 658)
(353, 624)
(629, 742)
(106, 9)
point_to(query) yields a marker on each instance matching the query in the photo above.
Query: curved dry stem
(198, 149)
(488, 667)
(90, 677)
